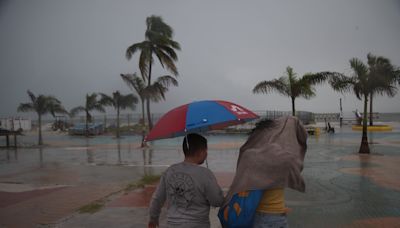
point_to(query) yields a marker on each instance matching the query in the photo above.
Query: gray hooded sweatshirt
(189, 190)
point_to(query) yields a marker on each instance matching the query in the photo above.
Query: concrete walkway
(343, 189)
(131, 209)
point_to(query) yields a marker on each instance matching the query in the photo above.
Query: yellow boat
(372, 128)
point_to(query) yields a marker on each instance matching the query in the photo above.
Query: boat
(93, 128)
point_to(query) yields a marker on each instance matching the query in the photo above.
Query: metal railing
(305, 117)
(110, 120)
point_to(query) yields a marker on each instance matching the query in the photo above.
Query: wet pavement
(44, 187)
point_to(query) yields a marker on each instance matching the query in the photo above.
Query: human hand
(288, 210)
(152, 224)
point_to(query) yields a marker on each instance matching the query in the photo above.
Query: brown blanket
(272, 157)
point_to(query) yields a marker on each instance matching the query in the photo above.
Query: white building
(15, 123)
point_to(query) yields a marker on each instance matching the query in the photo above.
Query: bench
(8, 133)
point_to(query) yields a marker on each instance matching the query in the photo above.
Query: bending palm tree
(155, 92)
(119, 101)
(158, 41)
(361, 84)
(41, 105)
(383, 76)
(137, 84)
(91, 104)
(290, 86)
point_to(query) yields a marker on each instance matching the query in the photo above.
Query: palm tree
(41, 105)
(91, 104)
(397, 73)
(291, 86)
(361, 84)
(384, 77)
(139, 85)
(158, 41)
(155, 92)
(136, 83)
(119, 101)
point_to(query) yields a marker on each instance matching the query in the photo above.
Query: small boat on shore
(93, 128)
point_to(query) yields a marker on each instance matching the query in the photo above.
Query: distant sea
(389, 117)
(382, 117)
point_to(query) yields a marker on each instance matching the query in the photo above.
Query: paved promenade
(46, 187)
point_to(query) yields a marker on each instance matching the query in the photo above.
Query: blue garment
(263, 220)
(240, 211)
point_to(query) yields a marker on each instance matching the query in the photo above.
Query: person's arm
(157, 202)
(213, 191)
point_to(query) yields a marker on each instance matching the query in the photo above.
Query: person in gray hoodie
(188, 188)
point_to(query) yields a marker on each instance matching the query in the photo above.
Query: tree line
(378, 77)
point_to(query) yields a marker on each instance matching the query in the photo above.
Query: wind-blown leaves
(360, 69)
(377, 77)
(397, 75)
(382, 75)
(156, 91)
(158, 41)
(41, 105)
(279, 85)
(167, 81)
(32, 96)
(341, 82)
(76, 110)
(118, 101)
(91, 104)
(139, 85)
(166, 60)
(290, 86)
(136, 83)
(156, 26)
(26, 107)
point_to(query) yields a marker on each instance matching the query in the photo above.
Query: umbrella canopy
(199, 116)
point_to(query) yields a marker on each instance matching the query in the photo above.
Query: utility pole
(341, 113)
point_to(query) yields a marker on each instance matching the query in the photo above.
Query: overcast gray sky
(70, 48)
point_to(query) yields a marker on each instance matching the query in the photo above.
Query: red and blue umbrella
(199, 116)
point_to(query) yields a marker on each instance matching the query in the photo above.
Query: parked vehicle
(93, 128)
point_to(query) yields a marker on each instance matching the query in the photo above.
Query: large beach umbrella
(199, 116)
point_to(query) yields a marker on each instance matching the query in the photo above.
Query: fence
(305, 117)
(322, 117)
(15, 124)
(110, 120)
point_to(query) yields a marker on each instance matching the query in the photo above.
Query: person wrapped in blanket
(271, 160)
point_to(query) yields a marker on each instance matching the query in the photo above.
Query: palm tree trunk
(364, 147)
(370, 110)
(40, 130)
(149, 114)
(117, 122)
(148, 100)
(293, 107)
(87, 124)
(119, 151)
(143, 114)
(143, 125)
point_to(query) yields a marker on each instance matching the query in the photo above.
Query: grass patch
(146, 179)
(99, 204)
(131, 129)
(92, 207)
